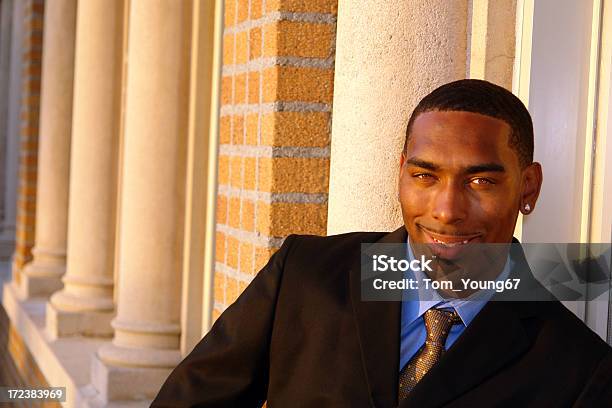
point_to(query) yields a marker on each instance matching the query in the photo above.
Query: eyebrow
(477, 168)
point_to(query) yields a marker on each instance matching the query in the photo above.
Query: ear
(530, 187)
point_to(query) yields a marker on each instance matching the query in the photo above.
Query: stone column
(42, 276)
(10, 81)
(389, 54)
(147, 327)
(492, 41)
(85, 305)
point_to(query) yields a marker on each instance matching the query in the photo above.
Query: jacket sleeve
(229, 366)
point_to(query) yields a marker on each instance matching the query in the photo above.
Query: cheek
(497, 213)
(413, 202)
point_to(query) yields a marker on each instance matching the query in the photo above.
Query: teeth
(449, 244)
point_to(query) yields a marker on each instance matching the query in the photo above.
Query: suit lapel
(494, 339)
(378, 327)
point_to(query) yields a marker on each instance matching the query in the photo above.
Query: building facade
(155, 153)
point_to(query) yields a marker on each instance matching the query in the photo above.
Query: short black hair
(485, 98)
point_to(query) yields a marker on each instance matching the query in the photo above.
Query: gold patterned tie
(437, 324)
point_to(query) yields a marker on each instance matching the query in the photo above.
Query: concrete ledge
(127, 383)
(34, 286)
(61, 323)
(65, 362)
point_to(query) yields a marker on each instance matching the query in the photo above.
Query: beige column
(389, 54)
(85, 305)
(492, 41)
(42, 276)
(147, 327)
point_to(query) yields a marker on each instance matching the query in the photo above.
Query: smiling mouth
(449, 241)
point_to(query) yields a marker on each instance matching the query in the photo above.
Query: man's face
(461, 182)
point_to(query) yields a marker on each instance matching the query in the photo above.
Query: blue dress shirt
(412, 330)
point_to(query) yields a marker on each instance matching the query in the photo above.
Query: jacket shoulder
(312, 251)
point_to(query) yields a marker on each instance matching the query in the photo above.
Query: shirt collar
(466, 308)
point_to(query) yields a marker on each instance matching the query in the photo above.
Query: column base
(126, 383)
(61, 323)
(34, 285)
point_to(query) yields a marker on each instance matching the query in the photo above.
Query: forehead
(460, 138)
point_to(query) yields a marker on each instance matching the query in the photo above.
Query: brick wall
(28, 157)
(17, 366)
(275, 124)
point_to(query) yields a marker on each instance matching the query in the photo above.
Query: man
(301, 336)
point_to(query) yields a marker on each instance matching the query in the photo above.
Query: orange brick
(285, 83)
(236, 171)
(230, 13)
(231, 290)
(223, 169)
(29, 160)
(303, 6)
(220, 246)
(36, 40)
(242, 286)
(265, 173)
(32, 55)
(238, 130)
(249, 173)
(262, 256)
(263, 217)
(254, 87)
(33, 70)
(293, 218)
(243, 10)
(293, 174)
(248, 215)
(38, 8)
(232, 252)
(256, 9)
(226, 90)
(271, 40)
(221, 209)
(255, 43)
(240, 89)
(246, 257)
(234, 212)
(32, 99)
(269, 81)
(228, 49)
(242, 42)
(295, 129)
(219, 291)
(216, 314)
(299, 39)
(225, 130)
(252, 132)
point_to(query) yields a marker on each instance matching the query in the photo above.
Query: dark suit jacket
(299, 336)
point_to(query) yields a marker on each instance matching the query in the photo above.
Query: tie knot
(438, 324)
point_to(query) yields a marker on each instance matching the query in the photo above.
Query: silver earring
(527, 208)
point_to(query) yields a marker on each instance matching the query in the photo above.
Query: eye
(481, 181)
(423, 176)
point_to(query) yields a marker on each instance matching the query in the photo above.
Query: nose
(449, 204)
